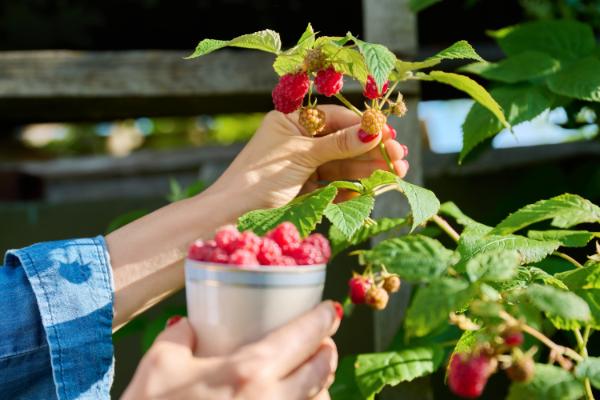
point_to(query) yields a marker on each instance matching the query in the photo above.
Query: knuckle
(342, 144)
(158, 359)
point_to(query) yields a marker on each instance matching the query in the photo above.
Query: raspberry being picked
(312, 119)
(329, 82)
(373, 121)
(468, 373)
(371, 92)
(290, 91)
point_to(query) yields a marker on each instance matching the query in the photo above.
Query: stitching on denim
(61, 367)
(23, 353)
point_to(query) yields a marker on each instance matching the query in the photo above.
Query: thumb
(345, 143)
(179, 332)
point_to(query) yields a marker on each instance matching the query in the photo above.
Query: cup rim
(288, 269)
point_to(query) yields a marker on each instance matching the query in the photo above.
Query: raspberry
(285, 261)
(307, 254)
(226, 238)
(468, 374)
(285, 235)
(329, 82)
(371, 91)
(199, 251)
(243, 257)
(398, 109)
(513, 337)
(314, 60)
(312, 119)
(373, 121)
(269, 252)
(377, 298)
(391, 284)
(521, 370)
(358, 289)
(218, 256)
(320, 242)
(290, 91)
(248, 241)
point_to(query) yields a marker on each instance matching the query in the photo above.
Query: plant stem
(582, 342)
(344, 100)
(445, 226)
(388, 94)
(589, 395)
(568, 258)
(386, 157)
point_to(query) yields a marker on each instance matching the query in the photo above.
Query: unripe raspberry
(358, 286)
(398, 109)
(377, 298)
(329, 82)
(312, 119)
(469, 373)
(371, 92)
(373, 121)
(522, 369)
(290, 91)
(391, 284)
(314, 60)
(513, 337)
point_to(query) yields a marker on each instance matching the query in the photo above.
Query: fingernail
(365, 137)
(173, 320)
(339, 310)
(405, 148)
(392, 131)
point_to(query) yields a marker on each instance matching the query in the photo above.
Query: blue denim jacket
(56, 312)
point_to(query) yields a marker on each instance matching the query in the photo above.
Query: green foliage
(579, 80)
(340, 242)
(549, 383)
(522, 67)
(557, 302)
(493, 266)
(379, 60)
(418, 5)
(566, 238)
(589, 368)
(349, 216)
(266, 40)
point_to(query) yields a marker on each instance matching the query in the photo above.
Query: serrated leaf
(433, 303)
(345, 386)
(538, 274)
(565, 211)
(580, 80)
(582, 278)
(350, 215)
(266, 40)
(473, 89)
(420, 5)
(518, 68)
(566, 238)
(493, 266)
(348, 61)
(520, 103)
(307, 40)
(557, 302)
(561, 39)
(589, 368)
(452, 210)
(548, 383)
(375, 371)
(291, 61)
(378, 178)
(339, 242)
(423, 202)
(414, 257)
(378, 59)
(305, 213)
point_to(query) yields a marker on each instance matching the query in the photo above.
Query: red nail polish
(392, 131)
(339, 310)
(405, 148)
(173, 320)
(365, 137)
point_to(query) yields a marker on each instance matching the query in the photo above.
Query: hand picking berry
(312, 119)
(329, 82)
(371, 92)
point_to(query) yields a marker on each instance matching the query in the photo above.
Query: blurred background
(101, 119)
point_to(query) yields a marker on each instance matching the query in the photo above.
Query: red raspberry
(371, 91)
(248, 241)
(329, 82)
(290, 91)
(243, 257)
(468, 374)
(226, 238)
(218, 256)
(513, 337)
(358, 289)
(320, 242)
(285, 261)
(286, 236)
(199, 251)
(307, 254)
(269, 252)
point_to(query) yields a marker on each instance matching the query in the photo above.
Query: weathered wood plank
(391, 23)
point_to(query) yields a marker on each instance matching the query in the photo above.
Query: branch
(446, 227)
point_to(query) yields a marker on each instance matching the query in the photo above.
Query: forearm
(147, 255)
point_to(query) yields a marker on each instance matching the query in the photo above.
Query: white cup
(230, 306)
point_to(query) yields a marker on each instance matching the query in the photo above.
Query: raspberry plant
(487, 303)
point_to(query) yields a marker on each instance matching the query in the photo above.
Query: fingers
(337, 118)
(312, 377)
(323, 395)
(179, 333)
(344, 143)
(401, 167)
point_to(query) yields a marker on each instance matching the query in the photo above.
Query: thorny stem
(445, 226)
(568, 258)
(344, 100)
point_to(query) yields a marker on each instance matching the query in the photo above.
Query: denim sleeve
(58, 313)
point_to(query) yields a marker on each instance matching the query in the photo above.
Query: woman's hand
(295, 362)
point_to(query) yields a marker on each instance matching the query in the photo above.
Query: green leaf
(452, 210)
(566, 238)
(377, 179)
(339, 242)
(345, 386)
(582, 278)
(558, 302)
(423, 202)
(414, 257)
(348, 61)
(350, 215)
(420, 5)
(375, 371)
(548, 383)
(521, 103)
(433, 303)
(473, 89)
(305, 212)
(292, 60)
(518, 68)
(589, 368)
(580, 80)
(266, 40)
(493, 266)
(402, 67)
(307, 40)
(561, 39)
(566, 210)
(379, 60)
(460, 50)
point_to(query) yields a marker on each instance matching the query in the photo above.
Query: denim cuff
(73, 287)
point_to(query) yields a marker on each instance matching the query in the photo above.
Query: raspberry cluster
(282, 246)
(373, 290)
